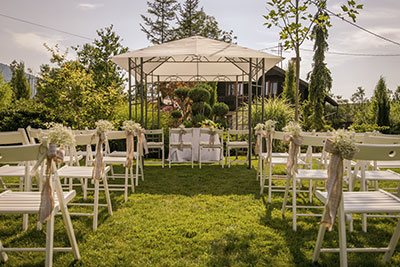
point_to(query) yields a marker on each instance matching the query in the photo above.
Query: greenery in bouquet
(293, 128)
(58, 135)
(130, 125)
(103, 126)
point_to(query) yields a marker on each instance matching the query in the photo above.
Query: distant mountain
(7, 74)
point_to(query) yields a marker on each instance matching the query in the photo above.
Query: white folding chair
(240, 143)
(175, 145)
(276, 158)
(18, 137)
(155, 141)
(84, 173)
(364, 203)
(29, 203)
(120, 157)
(218, 144)
(304, 174)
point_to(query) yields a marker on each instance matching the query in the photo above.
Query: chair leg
(137, 171)
(285, 195)
(294, 202)
(318, 245)
(96, 204)
(85, 191)
(221, 160)
(392, 244)
(107, 192)
(269, 182)
(126, 184)
(49, 241)
(162, 157)
(3, 255)
(342, 235)
(141, 169)
(200, 157)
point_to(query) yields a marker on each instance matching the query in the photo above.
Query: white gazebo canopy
(197, 58)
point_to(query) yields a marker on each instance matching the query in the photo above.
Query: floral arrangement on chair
(57, 136)
(102, 127)
(132, 129)
(131, 126)
(292, 135)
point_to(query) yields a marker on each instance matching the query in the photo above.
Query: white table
(185, 155)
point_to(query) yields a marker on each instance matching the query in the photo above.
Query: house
(274, 79)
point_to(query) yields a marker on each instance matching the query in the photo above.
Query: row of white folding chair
(364, 203)
(239, 142)
(29, 203)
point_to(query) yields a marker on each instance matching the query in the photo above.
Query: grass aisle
(192, 217)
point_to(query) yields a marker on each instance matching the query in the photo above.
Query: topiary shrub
(182, 93)
(188, 124)
(199, 95)
(176, 114)
(220, 109)
(207, 110)
(197, 119)
(198, 107)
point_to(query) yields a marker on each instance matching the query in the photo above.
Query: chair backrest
(14, 137)
(86, 131)
(114, 135)
(154, 131)
(368, 139)
(377, 152)
(21, 153)
(208, 130)
(33, 134)
(314, 141)
(239, 132)
(178, 130)
(85, 139)
(278, 135)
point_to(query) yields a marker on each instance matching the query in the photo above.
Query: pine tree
(5, 92)
(381, 104)
(159, 30)
(19, 83)
(289, 86)
(320, 77)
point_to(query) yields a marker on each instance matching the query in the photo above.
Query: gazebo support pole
(158, 101)
(237, 103)
(141, 91)
(250, 93)
(263, 90)
(130, 88)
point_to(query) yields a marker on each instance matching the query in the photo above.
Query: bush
(197, 107)
(199, 95)
(188, 124)
(222, 122)
(182, 92)
(198, 119)
(277, 109)
(362, 128)
(207, 110)
(220, 109)
(395, 118)
(176, 114)
(23, 113)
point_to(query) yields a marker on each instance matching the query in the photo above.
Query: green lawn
(195, 217)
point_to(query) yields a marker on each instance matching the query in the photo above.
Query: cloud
(34, 41)
(87, 6)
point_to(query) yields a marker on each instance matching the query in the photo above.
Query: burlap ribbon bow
(294, 149)
(334, 184)
(259, 134)
(141, 146)
(98, 170)
(46, 197)
(180, 139)
(211, 140)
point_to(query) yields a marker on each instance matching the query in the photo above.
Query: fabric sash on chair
(294, 149)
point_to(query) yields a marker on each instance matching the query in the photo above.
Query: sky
(22, 41)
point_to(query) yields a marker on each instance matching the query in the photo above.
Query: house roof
(195, 58)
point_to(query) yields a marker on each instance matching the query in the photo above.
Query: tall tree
(193, 20)
(361, 107)
(289, 86)
(381, 104)
(396, 95)
(320, 77)
(19, 83)
(5, 92)
(158, 29)
(295, 18)
(95, 57)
